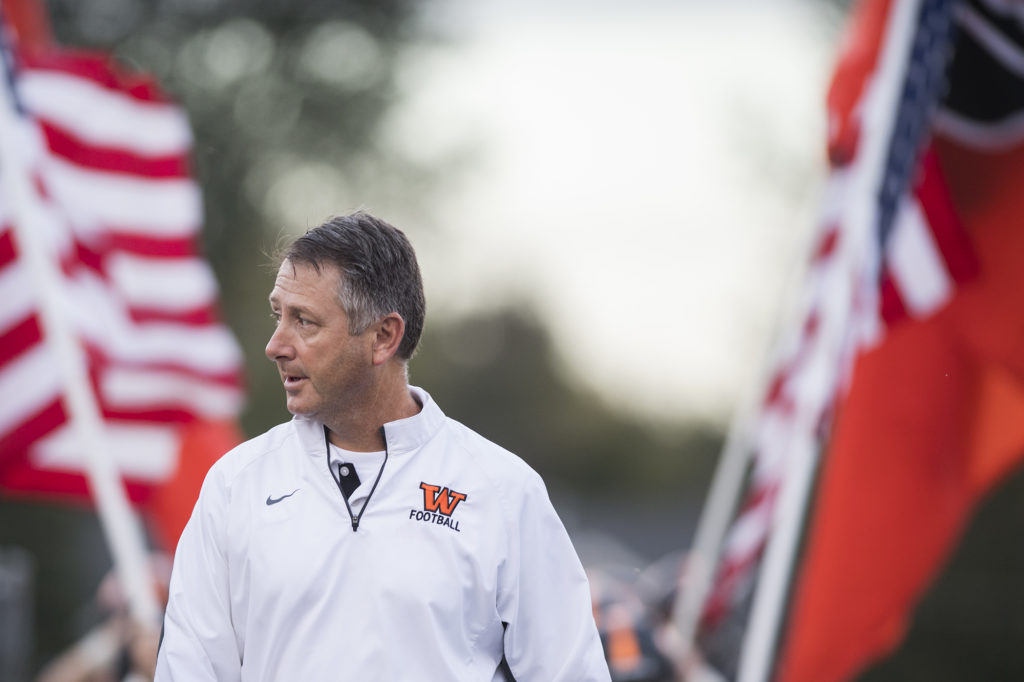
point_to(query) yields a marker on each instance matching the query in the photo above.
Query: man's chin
(299, 408)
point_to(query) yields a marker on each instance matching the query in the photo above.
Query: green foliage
(285, 99)
(498, 374)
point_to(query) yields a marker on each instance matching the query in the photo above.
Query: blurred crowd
(634, 614)
(633, 610)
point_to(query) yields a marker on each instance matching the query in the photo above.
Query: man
(371, 537)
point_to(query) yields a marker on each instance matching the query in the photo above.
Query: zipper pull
(355, 523)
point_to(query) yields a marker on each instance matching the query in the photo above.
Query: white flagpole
(714, 521)
(121, 527)
(859, 217)
(727, 485)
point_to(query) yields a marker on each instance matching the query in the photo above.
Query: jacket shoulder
(504, 468)
(242, 456)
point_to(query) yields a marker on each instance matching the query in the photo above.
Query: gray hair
(379, 272)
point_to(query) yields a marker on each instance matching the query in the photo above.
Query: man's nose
(279, 346)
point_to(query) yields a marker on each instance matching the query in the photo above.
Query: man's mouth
(293, 380)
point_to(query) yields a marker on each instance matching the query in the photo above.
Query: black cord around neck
(356, 517)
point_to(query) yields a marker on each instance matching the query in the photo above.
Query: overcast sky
(646, 173)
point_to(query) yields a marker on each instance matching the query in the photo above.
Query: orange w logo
(436, 498)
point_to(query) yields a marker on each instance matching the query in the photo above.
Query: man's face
(325, 369)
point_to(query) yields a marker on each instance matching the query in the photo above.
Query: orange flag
(170, 505)
(934, 416)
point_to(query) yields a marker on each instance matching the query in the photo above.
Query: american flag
(908, 266)
(927, 256)
(108, 157)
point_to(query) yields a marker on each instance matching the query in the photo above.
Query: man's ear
(387, 336)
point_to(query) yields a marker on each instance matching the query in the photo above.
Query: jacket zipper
(355, 517)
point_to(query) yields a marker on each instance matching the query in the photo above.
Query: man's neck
(359, 429)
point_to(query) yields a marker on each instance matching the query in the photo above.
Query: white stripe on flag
(53, 234)
(138, 388)
(103, 322)
(168, 207)
(915, 262)
(148, 453)
(168, 284)
(28, 385)
(749, 530)
(773, 435)
(17, 295)
(148, 128)
(210, 350)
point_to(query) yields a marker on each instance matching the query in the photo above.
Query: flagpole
(714, 521)
(726, 487)
(761, 639)
(121, 527)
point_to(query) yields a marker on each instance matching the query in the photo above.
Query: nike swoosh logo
(272, 500)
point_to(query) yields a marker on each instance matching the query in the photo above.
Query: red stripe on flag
(198, 317)
(726, 591)
(39, 183)
(827, 245)
(8, 252)
(98, 69)
(108, 159)
(38, 425)
(84, 255)
(24, 479)
(156, 414)
(61, 485)
(19, 338)
(101, 362)
(92, 255)
(811, 326)
(230, 379)
(776, 390)
(891, 303)
(141, 244)
(949, 232)
(778, 382)
(760, 494)
(737, 563)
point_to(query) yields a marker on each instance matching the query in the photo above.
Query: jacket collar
(403, 435)
(406, 435)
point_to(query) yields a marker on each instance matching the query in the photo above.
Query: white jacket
(268, 587)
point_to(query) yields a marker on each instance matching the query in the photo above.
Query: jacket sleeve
(198, 641)
(544, 598)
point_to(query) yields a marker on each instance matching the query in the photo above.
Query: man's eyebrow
(292, 308)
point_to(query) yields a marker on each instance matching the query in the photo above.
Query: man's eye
(302, 322)
(275, 316)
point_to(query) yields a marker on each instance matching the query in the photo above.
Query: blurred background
(608, 199)
(611, 202)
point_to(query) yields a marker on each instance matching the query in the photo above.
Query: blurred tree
(285, 99)
(498, 373)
